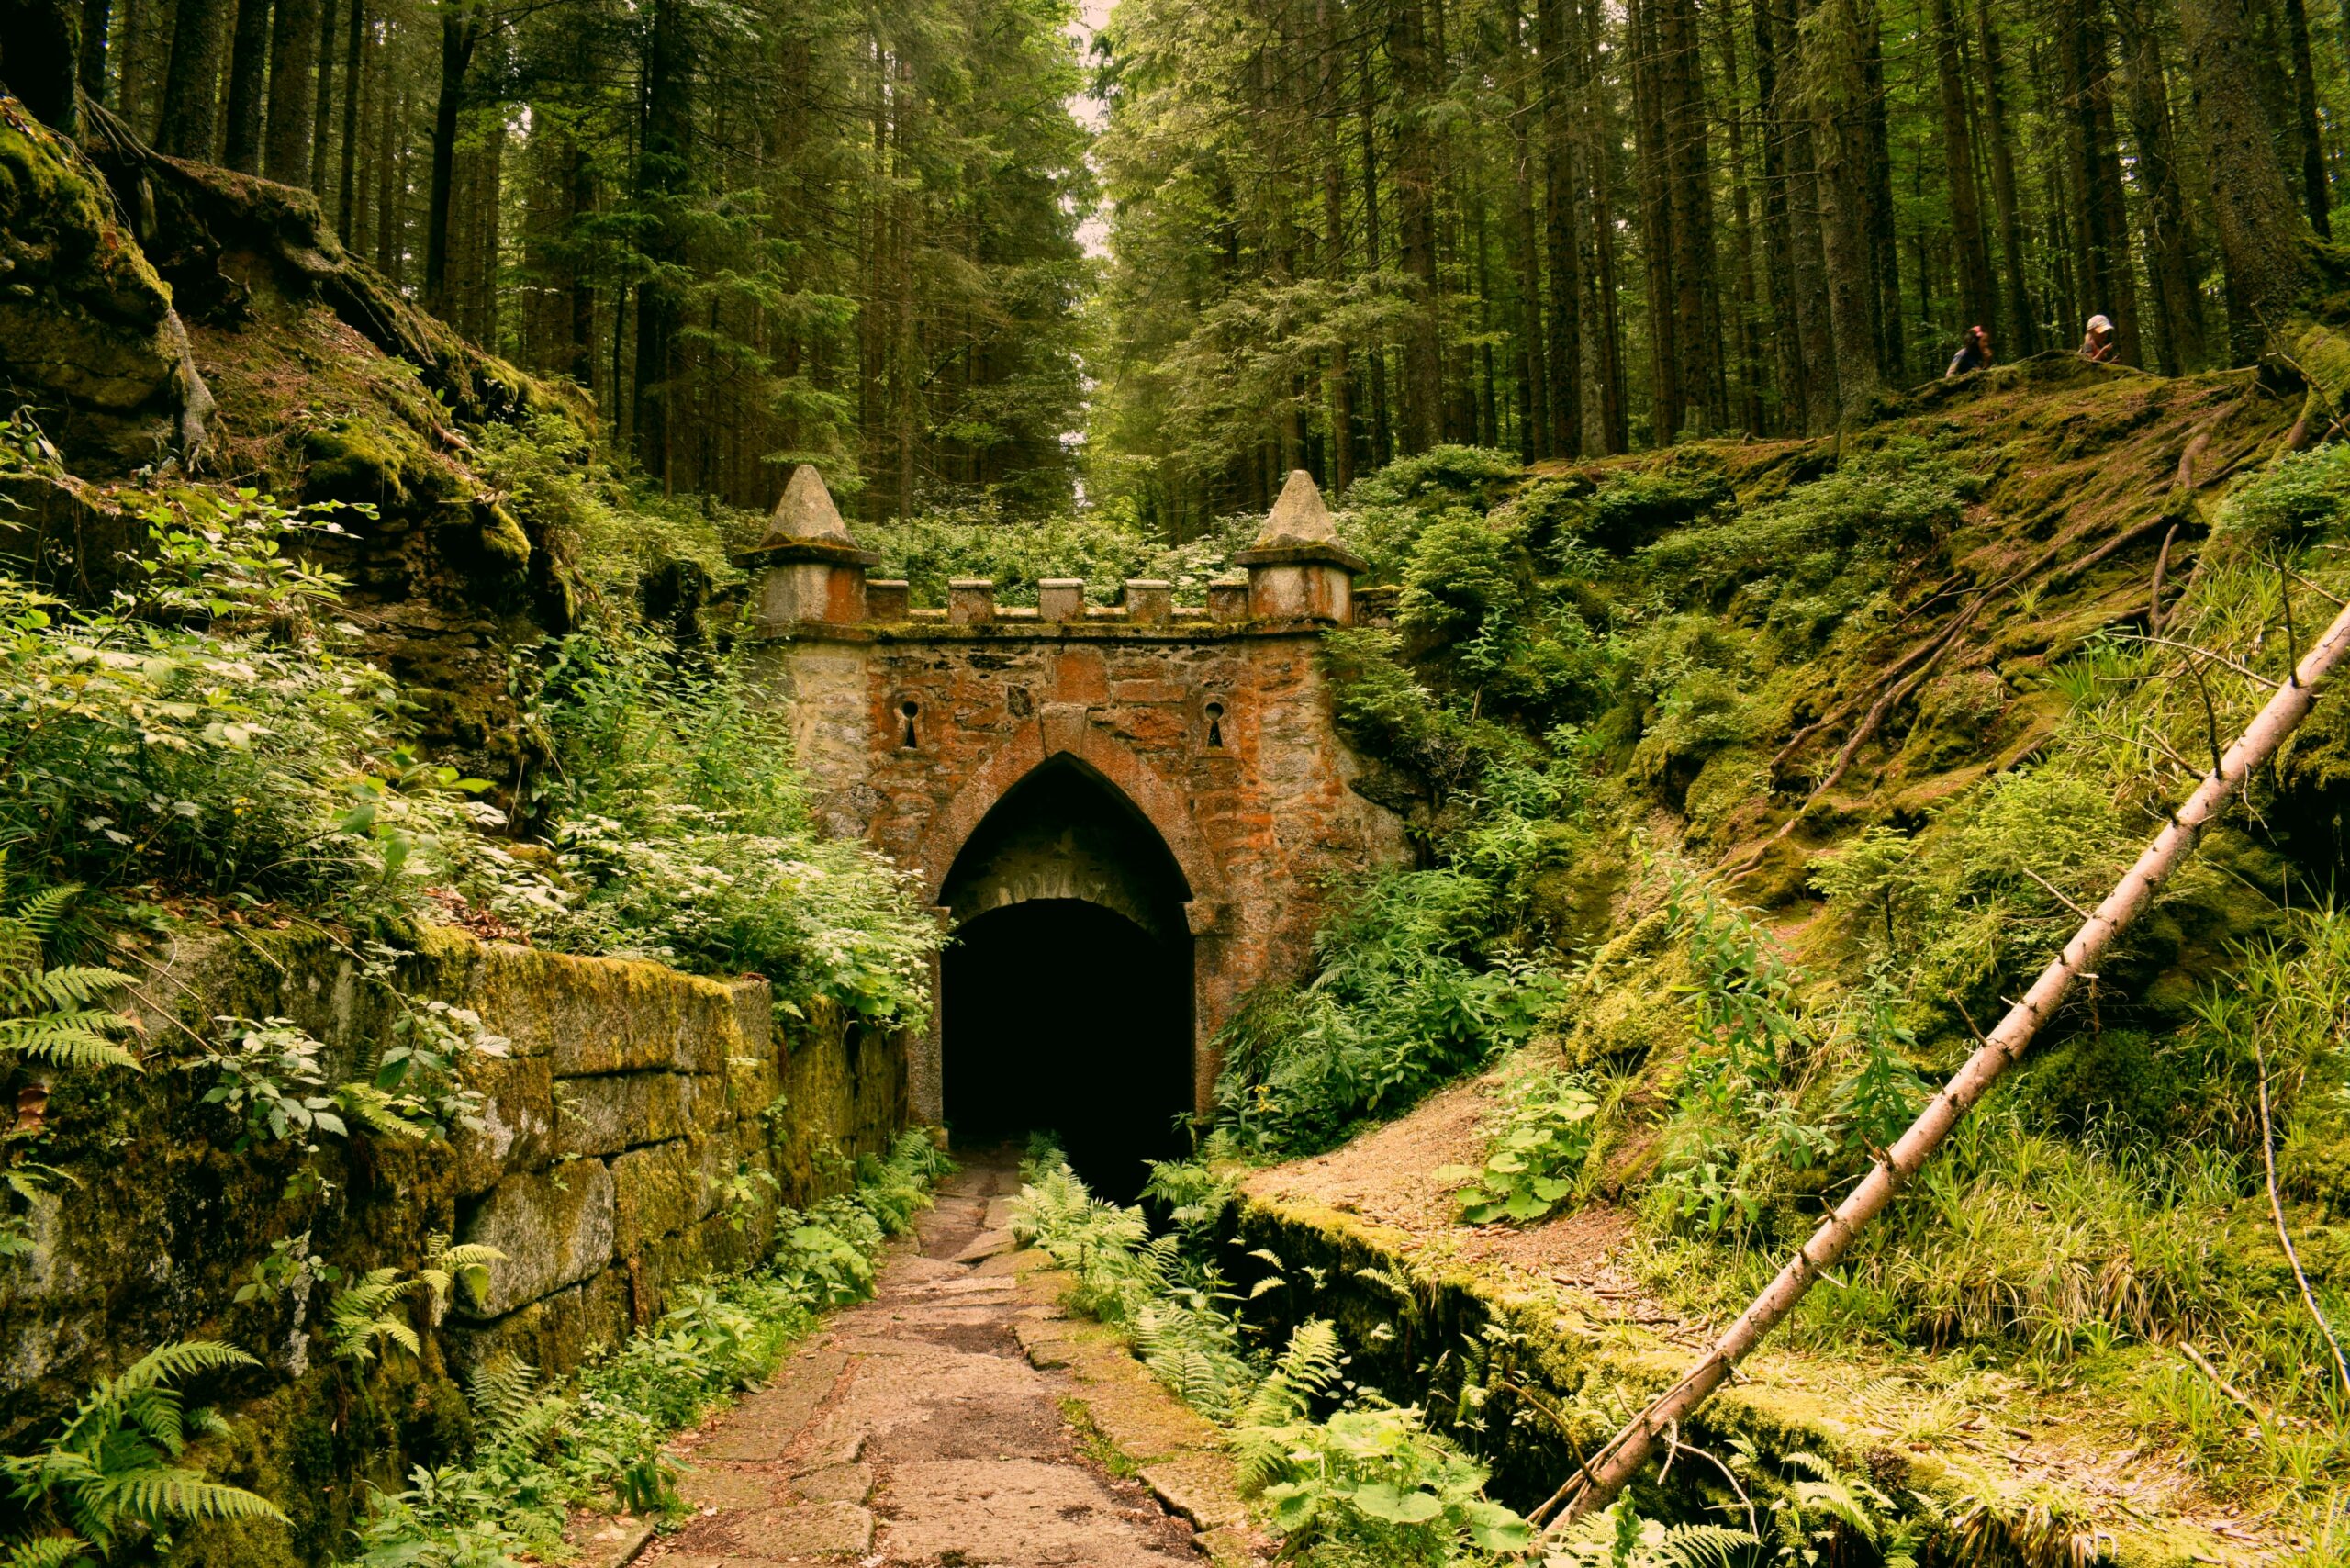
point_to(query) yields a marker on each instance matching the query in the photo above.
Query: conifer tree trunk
(1834, 83)
(1978, 299)
(1415, 224)
(1877, 164)
(293, 96)
(1749, 335)
(2178, 305)
(2021, 322)
(459, 34)
(1605, 331)
(1688, 162)
(661, 177)
(1340, 379)
(322, 102)
(40, 49)
(1659, 254)
(354, 82)
(2263, 236)
(190, 123)
(96, 17)
(2315, 195)
(1561, 82)
(1525, 254)
(248, 82)
(1382, 438)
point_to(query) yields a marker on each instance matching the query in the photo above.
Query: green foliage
(2302, 494)
(109, 1477)
(1369, 1475)
(681, 826)
(1197, 1194)
(1395, 1008)
(1618, 1537)
(1632, 510)
(53, 1012)
(271, 1075)
(1464, 576)
(1376, 1478)
(48, 1013)
(205, 732)
(1104, 545)
(1533, 1152)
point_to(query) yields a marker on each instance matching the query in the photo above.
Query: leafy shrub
(1385, 512)
(930, 547)
(1632, 510)
(541, 1451)
(2300, 495)
(1464, 573)
(205, 732)
(1892, 498)
(1370, 1477)
(1539, 1140)
(1396, 1008)
(680, 822)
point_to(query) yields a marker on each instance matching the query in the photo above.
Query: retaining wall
(643, 1131)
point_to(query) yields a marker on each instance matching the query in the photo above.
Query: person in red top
(1973, 354)
(2098, 346)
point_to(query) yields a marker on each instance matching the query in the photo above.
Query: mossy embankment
(639, 1130)
(179, 325)
(1790, 760)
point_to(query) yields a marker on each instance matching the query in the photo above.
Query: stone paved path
(958, 1419)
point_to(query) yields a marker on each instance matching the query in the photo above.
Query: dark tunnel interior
(1066, 994)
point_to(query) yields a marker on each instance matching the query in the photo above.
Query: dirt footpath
(958, 1419)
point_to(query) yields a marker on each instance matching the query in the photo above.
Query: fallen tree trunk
(1608, 1471)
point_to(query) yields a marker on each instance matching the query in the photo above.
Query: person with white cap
(2098, 346)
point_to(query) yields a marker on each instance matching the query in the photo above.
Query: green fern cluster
(55, 1014)
(370, 1310)
(111, 1474)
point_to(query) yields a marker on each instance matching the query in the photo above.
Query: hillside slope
(1788, 764)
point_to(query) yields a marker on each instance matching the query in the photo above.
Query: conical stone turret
(1297, 568)
(805, 512)
(807, 568)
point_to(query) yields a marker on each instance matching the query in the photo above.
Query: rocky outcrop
(89, 338)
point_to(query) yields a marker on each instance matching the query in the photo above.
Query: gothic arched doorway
(1066, 994)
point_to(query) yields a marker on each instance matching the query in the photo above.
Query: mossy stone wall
(642, 1130)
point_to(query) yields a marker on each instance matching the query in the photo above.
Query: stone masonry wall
(632, 1099)
(1220, 734)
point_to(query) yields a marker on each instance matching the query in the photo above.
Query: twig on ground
(2162, 564)
(2222, 1384)
(2277, 1211)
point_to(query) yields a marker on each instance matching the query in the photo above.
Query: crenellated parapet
(810, 576)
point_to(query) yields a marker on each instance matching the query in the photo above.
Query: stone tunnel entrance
(1066, 994)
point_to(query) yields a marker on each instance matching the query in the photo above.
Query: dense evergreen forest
(1811, 816)
(1337, 232)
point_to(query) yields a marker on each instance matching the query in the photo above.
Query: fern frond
(169, 1363)
(75, 984)
(500, 1390)
(157, 1497)
(47, 1551)
(372, 1109)
(65, 1039)
(1703, 1545)
(39, 912)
